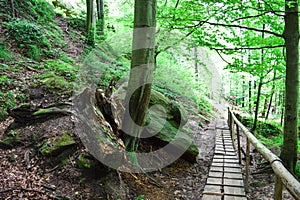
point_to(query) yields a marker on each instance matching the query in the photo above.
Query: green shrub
(4, 53)
(25, 33)
(35, 10)
(62, 68)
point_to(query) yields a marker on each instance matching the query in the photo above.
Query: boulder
(165, 123)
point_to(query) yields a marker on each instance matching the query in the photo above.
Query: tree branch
(222, 57)
(249, 48)
(254, 16)
(244, 27)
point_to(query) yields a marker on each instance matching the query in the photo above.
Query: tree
(289, 151)
(90, 22)
(100, 15)
(141, 72)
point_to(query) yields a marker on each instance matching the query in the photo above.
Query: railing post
(247, 165)
(278, 189)
(239, 143)
(232, 129)
(229, 117)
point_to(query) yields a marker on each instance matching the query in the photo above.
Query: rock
(60, 144)
(165, 123)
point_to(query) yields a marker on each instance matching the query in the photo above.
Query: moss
(59, 144)
(84, 161)
(10, 139)
(51, 81)
(42, 112)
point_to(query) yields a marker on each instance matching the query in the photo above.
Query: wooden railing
(283, 176)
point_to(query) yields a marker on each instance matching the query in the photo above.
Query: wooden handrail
(288, 180)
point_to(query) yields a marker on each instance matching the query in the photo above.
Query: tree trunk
(12, 8)
(291, 36)
(260, 84)
(264, 111)
(243, 92)
(282, 108)
(250, 96)
(271, 96)
(141, 73)
(100, 15)
(196, 65)
(90, 22)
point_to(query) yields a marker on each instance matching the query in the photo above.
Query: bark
(243, 92)
(282, 108)
(291, 36)
(250, 96)
(12, 8)
(271, 96)
(196, 64)
(90, 22)
(100, 15)
(260, 84)
(141, 73)
(263, 113)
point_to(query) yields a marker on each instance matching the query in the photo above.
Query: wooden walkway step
(225, 179)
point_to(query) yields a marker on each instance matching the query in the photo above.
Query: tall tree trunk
(100, 15)
(271, 96)
(282, 108)
(243, 92)
(12, 8)
(90, 22)
(264, 111)
(260, 84)
(250, 96)
(291, 36)
(196, 65)
(141, 73)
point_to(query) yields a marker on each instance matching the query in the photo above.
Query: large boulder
(165, 124)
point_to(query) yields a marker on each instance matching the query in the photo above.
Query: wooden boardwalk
(225, 179)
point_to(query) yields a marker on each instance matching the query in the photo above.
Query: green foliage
(140, 197)
(84, 161)
(265, 129)
(62, 68)
(4, 52)
(9, 100)
(26, 33)
(28, 36)
(51, 81)
(10, 139)
(35, 10)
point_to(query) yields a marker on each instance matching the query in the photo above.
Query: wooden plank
(211, 197)
(234, 182)
(228, 197)
(236, 165)
(235, 170)
(212, 189)
(217, 160)
(233, 175)
(216, 169)
(215, 174)
(234, 191)
(212, 181)
(217, 164)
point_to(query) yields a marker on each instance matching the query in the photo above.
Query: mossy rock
(60, 144)
(178, 113)
(171, 134)
(85, 161)
(10, 139)
(164, 124)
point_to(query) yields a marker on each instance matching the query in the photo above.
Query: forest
(128, 99)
